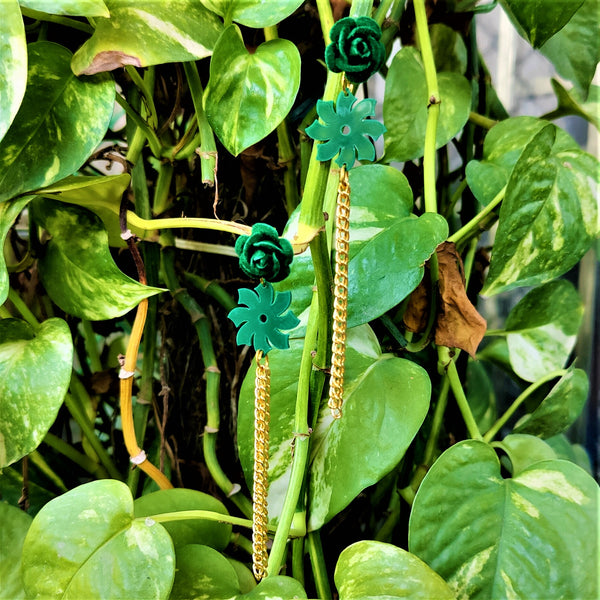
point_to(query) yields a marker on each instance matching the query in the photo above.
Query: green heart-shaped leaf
(575, 49)
(370, 214)
(13, 67)
(480, 395)
(405, 114)
(549, 217)
(502, 147)
(202, 572)
(35, 371)
(560, 408)
(14, 524)
(526, 537)
(151, 33)
(570, 102)
(101, 194)
(83, 8)
(193, 531)
(253, 13)
(61, 121)
(391, 265)
(77, 269)
(376, 570)
(542, 329)
(541, 20)
(87, 544)
(523, 451)
(9, 211)
(277, 587)
(248, 95)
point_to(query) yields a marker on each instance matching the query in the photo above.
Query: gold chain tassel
(340, 296)
(260, 513)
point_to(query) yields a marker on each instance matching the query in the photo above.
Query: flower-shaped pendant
(262, 318)
(346, 129)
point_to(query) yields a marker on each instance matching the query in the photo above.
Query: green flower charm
(263, 254)
(263, 318)
(345, 129)
(355, 48)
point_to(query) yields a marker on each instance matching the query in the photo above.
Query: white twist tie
(125, 374)
(126, 235)
(139, 459)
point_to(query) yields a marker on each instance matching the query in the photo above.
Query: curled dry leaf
(459, 325)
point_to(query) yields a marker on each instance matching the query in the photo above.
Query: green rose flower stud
(262, 318)
(263, 254)
(355, 48)
(346, 129)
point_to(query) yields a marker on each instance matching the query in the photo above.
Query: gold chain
(340, 296)
(260, 513)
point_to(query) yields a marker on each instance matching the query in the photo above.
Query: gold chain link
(260, 513)
(340, 296)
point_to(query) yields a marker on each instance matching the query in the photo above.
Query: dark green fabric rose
(355, 48)
(264, 254)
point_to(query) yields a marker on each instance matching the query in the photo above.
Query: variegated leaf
(13, 66)
(531, 536)
(9, 211)
(248, 95)
(77, 269)
(83, 8)
(549, 217)
(35, 371)
(375, 570)
(542, 329)
(148, 33)
(14, 524)
(87, 544)
(253, 13)
(61, 121)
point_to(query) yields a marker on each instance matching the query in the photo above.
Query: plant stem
(5, 313)
(319, 569)
(85, 462)
(59, 20)
(326, 19)
(482, 120)
(208, 147)
(436, 424)
(361, 8)
(91, 347)
(495, 428)
(204, 247)
(298, 560)
(472, 226)
(382, 11)
(212, 288)
(20, 305)
(146, 91)
(153, 141)
(160, 201)
(183, 222)
(433, 107)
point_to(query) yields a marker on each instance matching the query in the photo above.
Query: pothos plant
(423, 485)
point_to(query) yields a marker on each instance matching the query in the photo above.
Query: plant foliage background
(183, 123)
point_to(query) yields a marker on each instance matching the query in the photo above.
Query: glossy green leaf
(253, 13)
(77, 269)
(277, 587)
(549, 217)
(502, 147)
(13, 66)
(35, 371)
(9, 211)
(148, 33)
(83, 8)
(575, 49)
(540, 20)
(542, 329)
(575, 453)
(370, 214)
(405, 114)
(480, 395)
(489, 537)
(391, 265)
(14, 524)
(248, 95)
(87, 544)
(449, 50)
(523, 451)
(560, 408)
(570, 102)
(193, 531)
(101, 194)
(370, 570)
(244, 575)
(202, 572)
(61, 121)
